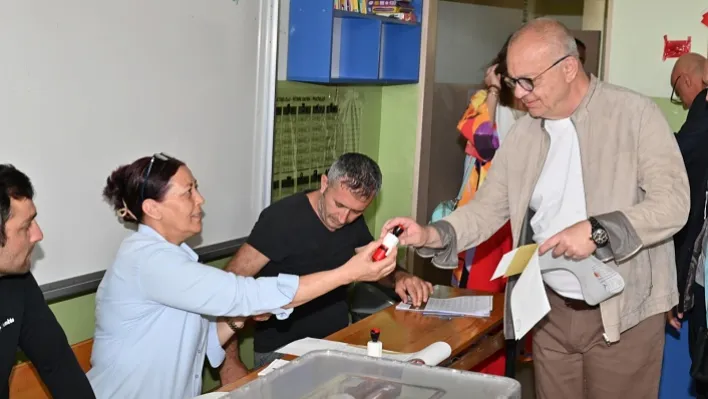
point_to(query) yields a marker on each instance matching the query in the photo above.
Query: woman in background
(489, 117)
(156, 304)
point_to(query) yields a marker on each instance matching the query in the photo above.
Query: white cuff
(287, 285)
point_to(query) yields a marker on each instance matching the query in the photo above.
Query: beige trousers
(572, 360)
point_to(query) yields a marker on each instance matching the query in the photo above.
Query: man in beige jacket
(594, 170)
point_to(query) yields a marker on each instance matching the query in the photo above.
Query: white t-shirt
(559, 198)
(505, 118)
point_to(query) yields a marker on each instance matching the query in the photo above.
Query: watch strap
(594, 227)
(594, 224)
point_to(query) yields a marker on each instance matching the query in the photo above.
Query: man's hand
(407, 285)
(574, 242)
(414, 235)
(361, 267)
(674, 319)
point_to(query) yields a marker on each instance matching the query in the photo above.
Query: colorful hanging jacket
(477, 265)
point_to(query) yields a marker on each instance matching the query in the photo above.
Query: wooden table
(472, 339)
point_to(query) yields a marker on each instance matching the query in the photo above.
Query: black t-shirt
(293, 237)
(27, 322)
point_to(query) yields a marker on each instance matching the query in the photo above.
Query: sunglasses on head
(161, 156)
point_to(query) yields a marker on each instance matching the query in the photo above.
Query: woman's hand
(262, 317)
(362, 268)
(492, 78)
(237, 322)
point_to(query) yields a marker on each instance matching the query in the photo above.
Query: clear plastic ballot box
(339, 375)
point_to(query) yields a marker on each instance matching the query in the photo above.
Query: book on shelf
(359, 6)
(398, 9)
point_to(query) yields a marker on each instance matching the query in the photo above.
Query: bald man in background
(705, 76)
(598, 171)
(689, 90)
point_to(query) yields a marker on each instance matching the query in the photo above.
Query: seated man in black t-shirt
(307, 233)
(25, 318)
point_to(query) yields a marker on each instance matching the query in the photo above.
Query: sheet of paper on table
(212, 395)
(470, 305)
(274, 365)
(432, 355)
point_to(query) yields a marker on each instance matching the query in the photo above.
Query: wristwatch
(598, 234)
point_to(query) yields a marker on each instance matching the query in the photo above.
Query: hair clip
(124, 211)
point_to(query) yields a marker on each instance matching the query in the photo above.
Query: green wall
(675, 114)
(396, 155)
(388, 131)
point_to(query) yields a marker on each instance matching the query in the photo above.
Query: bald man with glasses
(593, 170)
(689, 90)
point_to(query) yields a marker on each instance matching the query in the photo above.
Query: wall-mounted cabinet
(326, 45)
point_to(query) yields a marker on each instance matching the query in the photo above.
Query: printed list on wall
(311, 131)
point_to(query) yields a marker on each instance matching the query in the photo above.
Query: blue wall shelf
(331, 46)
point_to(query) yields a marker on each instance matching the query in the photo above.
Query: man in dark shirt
(688, 85)
(307, 233)
(25, 319)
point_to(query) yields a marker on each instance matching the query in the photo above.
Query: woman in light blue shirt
(156, 305)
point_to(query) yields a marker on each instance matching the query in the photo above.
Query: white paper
(212, 395)
(516, 260)
(529, 302)
(598, 281)
(274, 365)
(472, 305)
(305, 345)
(432, 355)
(503, 265)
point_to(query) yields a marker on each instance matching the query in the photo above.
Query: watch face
(600, 237)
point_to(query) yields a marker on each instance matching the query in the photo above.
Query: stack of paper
(474, 306)
(431, 355)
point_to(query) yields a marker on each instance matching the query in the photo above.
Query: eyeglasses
(159, 156)
(528, 83)
(674, 98)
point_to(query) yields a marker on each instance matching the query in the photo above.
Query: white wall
(470, 36)
(284, 17)
(191, 79)
(636, 45)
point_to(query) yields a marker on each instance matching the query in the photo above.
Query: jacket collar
(581, 111)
